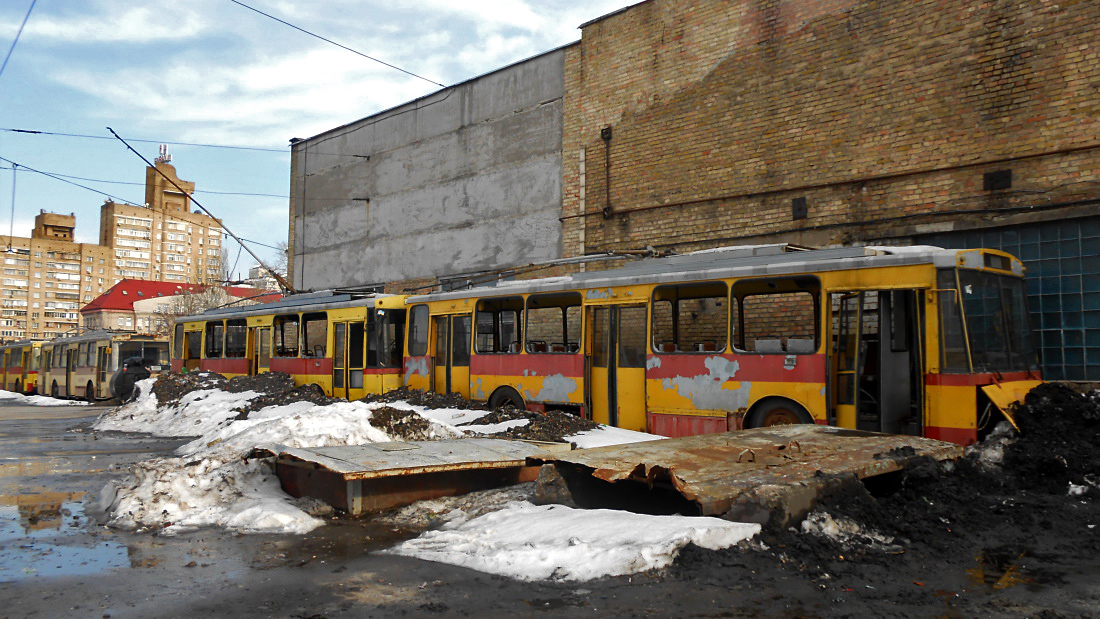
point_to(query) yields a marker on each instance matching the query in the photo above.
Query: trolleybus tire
(777, 412)
(506, 396)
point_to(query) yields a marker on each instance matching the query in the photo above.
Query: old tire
(777, 412)
(506, 396)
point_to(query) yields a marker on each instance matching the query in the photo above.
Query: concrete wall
(465, 179)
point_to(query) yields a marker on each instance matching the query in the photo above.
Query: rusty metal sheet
(414, 457)
(775, 466)
(379, 476)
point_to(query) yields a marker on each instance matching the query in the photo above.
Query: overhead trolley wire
(59, 178)
(17, 35)
(345, 47)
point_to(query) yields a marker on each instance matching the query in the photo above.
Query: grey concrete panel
(522, 85)
(515, 241)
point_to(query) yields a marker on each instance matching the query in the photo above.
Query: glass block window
(1063, 283)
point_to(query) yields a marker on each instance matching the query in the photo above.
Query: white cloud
(120, 24)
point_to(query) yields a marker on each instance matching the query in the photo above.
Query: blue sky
(213, 72)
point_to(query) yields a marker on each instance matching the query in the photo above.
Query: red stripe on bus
(225, 366)
(974, 380)
(319, 366)
(522, 365)
(684, 425)
(960, 436)
(767, 368)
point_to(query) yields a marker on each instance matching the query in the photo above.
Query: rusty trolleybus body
(81, 366)
(348, 345)
(20, 365)
(897, 340)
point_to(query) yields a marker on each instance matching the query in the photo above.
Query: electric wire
(55, 177)
(206, 191)
(103, 137)
(303, 30)
(17, 35)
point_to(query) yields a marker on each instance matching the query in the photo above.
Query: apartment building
(47, 278)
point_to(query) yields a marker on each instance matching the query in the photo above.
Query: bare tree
(188, 303)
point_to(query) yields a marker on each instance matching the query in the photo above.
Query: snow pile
(211, 483)
(38, 400)
(529, 542)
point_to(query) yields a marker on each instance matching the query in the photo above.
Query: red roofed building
(150, 306)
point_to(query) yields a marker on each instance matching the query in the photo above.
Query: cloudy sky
(216, 73)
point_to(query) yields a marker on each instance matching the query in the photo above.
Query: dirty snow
(210, 483)
(605, 436)
(554, 542)
(38, 400)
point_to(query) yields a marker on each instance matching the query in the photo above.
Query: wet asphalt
(57, 561)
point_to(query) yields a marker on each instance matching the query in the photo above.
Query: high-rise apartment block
(48, 277)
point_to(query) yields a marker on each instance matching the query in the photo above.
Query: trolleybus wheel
(506, 396)
(777, 412)
(89, 392)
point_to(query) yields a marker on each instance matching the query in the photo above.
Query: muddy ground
(971, 540)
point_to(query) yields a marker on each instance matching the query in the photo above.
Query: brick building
(691, 124)
(48, 277)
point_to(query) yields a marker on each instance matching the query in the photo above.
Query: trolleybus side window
(285, 333)
(418, 331)
(553, 323)
(954, 357)
(236, 336)
(777, 315)
(498, 322)
(315, 334)
(690, 318)
(215, 339)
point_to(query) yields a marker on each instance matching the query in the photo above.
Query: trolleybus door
(876, 361)
(347, 359)
(261, 350)
(103, 370)
(450, 352)
(71, 355)
(616, 365)
(26, 364)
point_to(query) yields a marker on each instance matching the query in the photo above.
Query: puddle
(32, 532)
(1000, 568)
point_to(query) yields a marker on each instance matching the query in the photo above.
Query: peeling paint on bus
(597, 293)
(709, 391)
(652, 362)
(417, 366)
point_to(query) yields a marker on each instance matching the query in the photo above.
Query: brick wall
(884, 115)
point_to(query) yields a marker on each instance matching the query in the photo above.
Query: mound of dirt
(289, 395)
(552, 426)
(404, 425)
(169, 388)
(954, 537)
(426, 399)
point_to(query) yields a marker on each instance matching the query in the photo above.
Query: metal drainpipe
(605, 135)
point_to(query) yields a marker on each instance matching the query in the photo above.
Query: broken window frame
(569, 314)
(285, 334)
(747, 288)
(213, 339)
(673, 295)
(314, 335)
(498, 323)
(236, 339)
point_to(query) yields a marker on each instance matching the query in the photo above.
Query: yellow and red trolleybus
(81, 366)
(20, 365)
(349, 345)
(916, 340)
